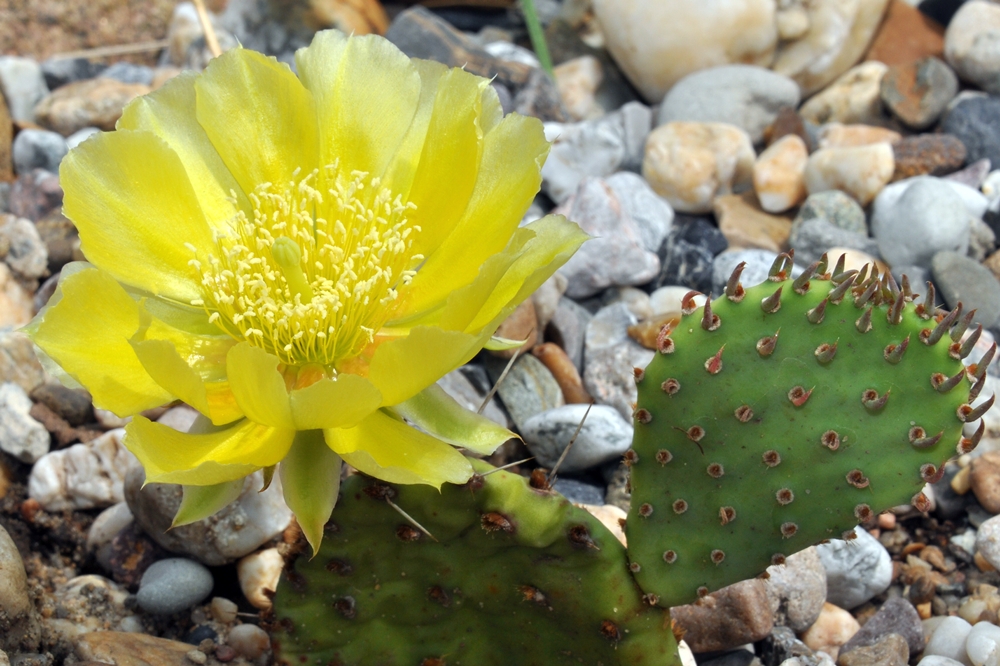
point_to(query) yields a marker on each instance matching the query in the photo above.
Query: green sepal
(310, 481)
(437, 413)
(200, 502)
(497, 343)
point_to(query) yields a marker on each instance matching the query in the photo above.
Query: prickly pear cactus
(785, 414)
(511, 575)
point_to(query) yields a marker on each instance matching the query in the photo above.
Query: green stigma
(288, 256)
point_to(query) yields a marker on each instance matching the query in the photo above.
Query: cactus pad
(511, 576)
(785, 414)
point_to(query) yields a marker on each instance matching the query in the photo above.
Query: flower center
(315, 273)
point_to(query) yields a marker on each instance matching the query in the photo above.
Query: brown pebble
(924, 610)
(933, 154)
(982, 563)
(887, 520)
(224, 653)
(646, 332)
(914, 547)
(985, 476)
(935, 556)
(564, 371)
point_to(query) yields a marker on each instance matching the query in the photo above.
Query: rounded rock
(797, 590)
(982, 643)
(605, 435)
(258, 574)
(249, 640)
(852, 98)
(965, 280)
(21, 628)
(38, 149)
(172, 585)
(832, 629)
(972, 44)
(948, 640)
(928, 154)
(975, 121)
(918, 92)
(839, 135)
(856, 570)
(778, 174)
(861, 171)
(835, 207)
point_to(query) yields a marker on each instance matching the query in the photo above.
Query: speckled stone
(730, 617)
(172, 585)
(918, 92)
(928, 154)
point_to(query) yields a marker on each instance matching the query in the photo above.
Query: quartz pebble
(778, 174)
(605, 435)
(23, 86)
(988, 540)
(258, 574)
(839, 135)
(860, 171)
(853, 98)
(856, 570)
(223, 610)
(105, 527)
(577, 81)
(172, 585)
(249, 640)
(971, 45)
(744, 224)
(983, 644)
(758, 263)
(82, 476)
(834, 627)
(20, 435)
(948, 640)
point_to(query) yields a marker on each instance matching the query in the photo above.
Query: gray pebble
(569, 323)
(925, 216)
(835, 207)
(172, 585)
(896, 616)
(797, 589)
(812, 237)
(856, 570)
(578, 491)
(528, 389)
(38, 149)
(962, 279)
(605, 435)
(610, 356)
(60, 71)
(127, 72)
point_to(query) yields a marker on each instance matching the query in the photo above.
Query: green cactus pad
(515, 576)
(759, 432)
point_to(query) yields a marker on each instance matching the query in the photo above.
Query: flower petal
(259, 117)
(403, 367)
(366, 94)
(439, 414)
(310, 481)
(200, 502)
(169, 113)
(128, 194)
(388, 449)
(87, 330)
(205, 459)
(258, 387)
(334, 403)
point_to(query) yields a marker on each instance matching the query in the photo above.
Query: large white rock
(605, 435)
(83, 476)
(856, 570)
(972, 44)
(861, 171)
(656, 42)
(20, 435)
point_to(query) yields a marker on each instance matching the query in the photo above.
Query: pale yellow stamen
(314, 274)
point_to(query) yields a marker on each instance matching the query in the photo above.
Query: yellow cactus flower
(300, 258)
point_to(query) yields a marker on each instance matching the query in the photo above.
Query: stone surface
(657, 44)
(783, 645)
(27, 255)
(254, 518)
(889, 650)
(258, 574)
(975, 121)
(521, 324)
(839, 135)
(689, 164)
(896, 616)
(744, 224)
(832, 628)
(60, 71)
(788, 121)
(37, 149)
(687, 254)
(985, 478)
(906, 35)
(796, 590)
(568, 329)
(458, 386)
(35, 195)
(23, 86)
(16, 304)
(727, 618)
(610, 355)
(605, 435)
(972, 44)
(974, 175)
(852, 98)
(20, 435)
(91, 103)
(19, 629)
(855, 571)
(948, 640)
(564, 371)
(917, 218)
(577, 80)
(18, 362)
(249, 640)
(131, 649)
(836, 208)
(173, 585)
(918, 92)
(861, 172)
(746, 96)
(778, 174)
(528, 389)
(82, 476)
(927, 154)
(983, 643)
(988, 536)
(960, 278)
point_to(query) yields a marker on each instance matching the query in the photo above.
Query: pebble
(223, 610)
(20, 435)
(538, 97)
(546, 298)
(930, 154)
(657, 44)
(988, 539)
(796, 590)
(38, 149)
(948, 640)
(689, 164)
(960, 278)
(34, 195)
(27, 255)
(914, 219)
(934, 660)
(918, 92)
(788, 122)
(172, 585)
(758, 263)
(906, 35)
(746, 96)
(974, 175)
(778, 174)
(563, 371)
(744, 224)
(579, 492)
(79, 136)
(855, 571)
(18, 362)
(60, 71)
(127, 72)
(605, 435)
(458, 386)
(528, 389)
(23, 86)
(103, 530)
(839, 135)
(835, 207)
(577, 80)
(814, 237)
(568, 328)
(974, 121)
(609, 515)
(782, 647)
(521, 324)
(983, 644)
(852, 98)
(896, 616)
(91, 103)
(617, 254)
(16, 606)
(238, 529)
(249, 640)
(82, 476)
(16, 303)
(888, 650)
(258, 574)
(130, 649)
(971, 45)
(727, 618)
(834, 627)
(861, 171)
(686, 256)
(610, 356)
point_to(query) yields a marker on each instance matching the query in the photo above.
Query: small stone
(578, 492)
(249, 640)
(988, 539)
(985, 479)
(21, 630)
(973, 175)
(528, 389)
(594, 148)
(896, 616)
(816, 236)
(730, 617)
(610, 356)
(92, 103)
(833, 628)
(60, 71)
(839, 135)
(196, 657)
(34, 195)
(130, 553)
(906, 35)
(975, 121)
(746, 96)
(258, 575)
(37, 149)
(963, 279)
(782, 647)
(888, 650)
(82, 476)
(948, 640)
(521, 324)
(787, 122)
(796, 589)
(568, 328)
(79, 136)
(577, 80)
(861, 172)
(856, 570)
(605, 435)
(20, 435)
(934, 660)
(778, 174)
(16, 305)
(983, 643)
(105, 527)
(835, 207)
(23, 85)
(18, 362)
(687, 254)
(223, 610)
(26, 255)
(130, 649)
(465, 393)
(127, 72)
(689, 164)
(972, 46)
(914, 219)
(927, 154)
(744, 224)
(918, 92)
(563, 371)
(609, 516)
(852, 98)
(172, 585)
(74, 405)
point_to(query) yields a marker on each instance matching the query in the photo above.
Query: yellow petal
(438, 414)
(169, 456)
(259, 117)
(403, 367)
(129, 195)
(87, 333)
(169, 113)
(388, 449)
(310, 482)
(258, 387)
(366, 94)
(334, 403)
(508, 178)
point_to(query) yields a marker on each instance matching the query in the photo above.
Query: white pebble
(983, 644)
(948, 640)
(934, 660)
(258, 573)
(83, 476)
(223, 610)
(249, 640)
(108, 523)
